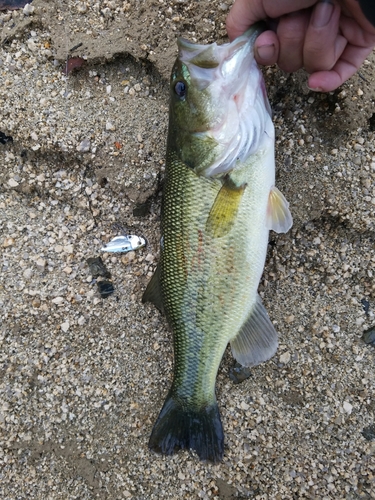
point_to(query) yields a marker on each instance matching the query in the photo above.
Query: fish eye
(180, 89)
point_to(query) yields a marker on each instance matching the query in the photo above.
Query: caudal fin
(181, 428)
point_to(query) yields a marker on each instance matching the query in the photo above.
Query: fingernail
(266, 52)
(316, 89)
(322, 14)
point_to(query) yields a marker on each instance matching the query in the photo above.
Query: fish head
(219, 109)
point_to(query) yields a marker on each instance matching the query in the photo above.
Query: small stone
(105, 288)
(181, 476)
(58, 300)
(239, 373)
(58, 248)
(289, 319)
(347, 407)
(244, 406)
(81, 320)
(128, 257)
(84, 146)
(12, 183)
(36, 302)
(67, 270)
(149, 258)
(8, 242)
(65, 326)
(137, 87)
(28, 9)
(369, 433)
(369, 336)
(41, 264)
(285, 358)
(82, 8)
(68, 249)
(131, 91)
(27, 273)
(110, 126)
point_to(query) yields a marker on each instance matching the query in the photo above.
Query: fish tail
(184, 428)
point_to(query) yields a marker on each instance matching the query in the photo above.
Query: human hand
(330, 39)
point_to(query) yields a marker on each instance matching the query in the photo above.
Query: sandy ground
(82, 378)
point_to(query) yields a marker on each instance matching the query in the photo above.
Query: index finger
(245, 13)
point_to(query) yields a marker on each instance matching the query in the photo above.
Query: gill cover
(224, 116)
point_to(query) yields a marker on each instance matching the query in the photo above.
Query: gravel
(83, 378)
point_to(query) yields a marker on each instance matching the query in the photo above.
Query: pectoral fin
(224, 210)
(257, 340)
(279, 218)
(153, 291)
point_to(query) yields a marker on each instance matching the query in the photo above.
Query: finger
(245, 13)
(242, 15)
(323, 45)
(346, 66)
(266, 48)
(291, 33)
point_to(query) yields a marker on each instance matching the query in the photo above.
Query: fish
(123, 244)
(219, 203)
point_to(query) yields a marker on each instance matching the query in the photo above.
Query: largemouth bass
(219, 203)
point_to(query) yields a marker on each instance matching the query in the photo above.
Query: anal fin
(279, 218)
(257, 340)
(224, 210)
(153, 291)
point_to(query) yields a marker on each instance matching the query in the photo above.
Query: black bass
(219, 203)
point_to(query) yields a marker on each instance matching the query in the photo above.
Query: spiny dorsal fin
(279, 218)
(257, 340)
(153, 291)
(224, 210)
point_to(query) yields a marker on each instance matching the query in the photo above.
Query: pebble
(8, 242)
(27, 273)
(84, 146)
(65, 326)
(284, 358)
(28, 9)
(12, 183)
(36, 302)
(347, 407)
(41, 264)
(81, 320)
(58, 300)
(128, 257)
(110, 126)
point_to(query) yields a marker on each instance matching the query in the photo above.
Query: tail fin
(180, 428)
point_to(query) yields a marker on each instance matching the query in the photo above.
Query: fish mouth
(229, 74)
(209, 62)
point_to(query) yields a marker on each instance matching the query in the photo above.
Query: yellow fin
(224, 209)
(279, 218)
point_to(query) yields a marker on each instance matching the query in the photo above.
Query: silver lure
(123, 244)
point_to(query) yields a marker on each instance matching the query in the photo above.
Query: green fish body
(219, 203)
